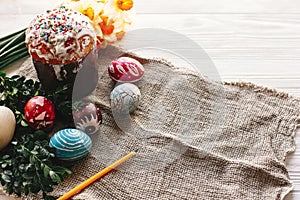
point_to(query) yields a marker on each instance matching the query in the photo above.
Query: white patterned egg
(71, 144)
(7, 126)
(125, 98)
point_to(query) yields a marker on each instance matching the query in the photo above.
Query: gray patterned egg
(71, 144)
(125, 98)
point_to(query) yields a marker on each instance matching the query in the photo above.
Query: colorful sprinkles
(53, 29)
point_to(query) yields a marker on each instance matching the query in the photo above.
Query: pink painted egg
(125, 70)
(39, 113)
(87, 117)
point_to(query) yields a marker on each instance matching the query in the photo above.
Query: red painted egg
(125, 70)
(87, 117)
(39, 113)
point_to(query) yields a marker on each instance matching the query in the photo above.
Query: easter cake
(61, 43)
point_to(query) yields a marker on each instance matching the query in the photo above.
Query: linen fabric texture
(195, 138)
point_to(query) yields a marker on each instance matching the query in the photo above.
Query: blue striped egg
(71, 144)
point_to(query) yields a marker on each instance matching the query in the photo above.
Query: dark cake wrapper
(83, 75)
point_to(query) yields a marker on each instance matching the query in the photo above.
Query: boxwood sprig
(28, 163)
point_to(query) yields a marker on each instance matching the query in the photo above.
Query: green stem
(12, 54)
(19, 38)
(10, 36)
(12, 59)
(20, 46)
(5, 40)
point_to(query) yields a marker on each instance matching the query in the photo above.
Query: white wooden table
(248, 40)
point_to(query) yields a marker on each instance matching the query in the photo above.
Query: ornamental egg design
(71, 144)
(125, 98)
(126, 70)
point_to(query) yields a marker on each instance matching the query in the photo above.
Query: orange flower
(120, 35)
(107, 28)
(110, 18)
(89, 12)
(124, 4)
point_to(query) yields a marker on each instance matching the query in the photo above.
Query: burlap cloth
(195, 139)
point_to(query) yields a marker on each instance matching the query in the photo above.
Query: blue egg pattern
(71, 144)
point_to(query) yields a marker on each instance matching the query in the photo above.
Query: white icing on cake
(57, 69)
(55, 34)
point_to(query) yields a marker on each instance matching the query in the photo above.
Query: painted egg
(39, 113)
(7, 126)
(125, 70)
(87, 117)
(71, 144)
(125, 98)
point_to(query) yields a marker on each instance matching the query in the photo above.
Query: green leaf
(20, 150)
(9, 162)
(36, 178)
(17, 190)
(41, 135)
(29, 83)
(67, 171)
(6, 178)
(26, 189)
(17, 184)
(3, 165)
(26, 154)
(46, 171)
(28, 175)
(55, 177)
(32, 160)
(61, 170)
(22, 167)
(24, 123)
(15, 76)
(34, 188)
(34, 152)
(9, 189)
(28, 160)
(5, 157)
(47, 197)
(30, 145)
(28, 167)
(7, 172)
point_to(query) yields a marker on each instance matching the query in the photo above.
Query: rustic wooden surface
(248, 40)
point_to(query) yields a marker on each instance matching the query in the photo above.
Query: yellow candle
(94, 178)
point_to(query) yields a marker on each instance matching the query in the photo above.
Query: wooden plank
(175, 6)
(213, 30)
(248, 40)
(15, 23)
(216, 6)
(21, 7)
